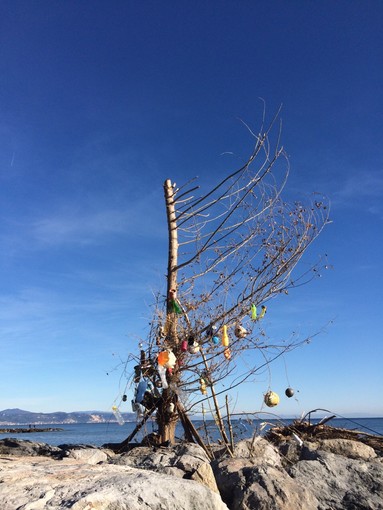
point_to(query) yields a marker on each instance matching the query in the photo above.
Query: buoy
(240, 331)
(271, 399)
(289, 392)
(225, 336)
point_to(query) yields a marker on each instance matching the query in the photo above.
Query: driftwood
(310, 432)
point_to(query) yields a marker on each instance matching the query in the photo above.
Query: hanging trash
(210, 331)
(184, 346)
(215, 340)
(171, 407)
(118, 415)
(176, 307)
(166, 359)
(263, 311)
(289, 392)
(203, 386)
(227, 353)
(253, 312)
(137, 373)
(141, 388)
(162, 374)
(124, 398)
(225, 336)
(271, 399)
(240, 331)
(194, 348)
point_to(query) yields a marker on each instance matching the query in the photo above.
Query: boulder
(248, 484)
(42, 483)
(24, 447)
(339, 482)
(186, 460)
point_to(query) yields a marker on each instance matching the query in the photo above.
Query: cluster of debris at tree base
(305, 431)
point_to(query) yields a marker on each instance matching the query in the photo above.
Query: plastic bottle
(118, 415)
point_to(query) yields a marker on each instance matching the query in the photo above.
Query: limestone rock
(247, 484)
(88, 455)
(257, 448)
(341, 483)
(34, 483)
(189, 459)
(347, 448)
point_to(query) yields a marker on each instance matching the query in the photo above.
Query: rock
(347, 448)
(10, 446)
(258, 448)
(34, 483)
(339, 482)
(247, 484)
(88, 455)
(189, 459)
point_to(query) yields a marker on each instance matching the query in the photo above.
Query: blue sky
(100, 102)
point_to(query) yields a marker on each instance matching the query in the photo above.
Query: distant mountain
(21, 417)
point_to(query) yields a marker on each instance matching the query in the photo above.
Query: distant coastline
(19, 417)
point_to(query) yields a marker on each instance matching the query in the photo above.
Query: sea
(98, 434)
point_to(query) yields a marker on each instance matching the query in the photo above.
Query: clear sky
(100, 101)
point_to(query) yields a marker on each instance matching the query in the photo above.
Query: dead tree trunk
(167, 415)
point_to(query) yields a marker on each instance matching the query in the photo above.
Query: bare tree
(231, 250)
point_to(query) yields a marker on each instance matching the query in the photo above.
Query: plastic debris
(227, 353)
(118, 415)
(141, 388)
(240, 331)
(225, 336)
(253, 312)
(263, 311)
(162, 374)
(184, 346)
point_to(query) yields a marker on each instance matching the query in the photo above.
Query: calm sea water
(98, 434)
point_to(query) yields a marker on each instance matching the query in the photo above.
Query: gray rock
(24, 447)
(34, 483)
(347, 448)
(341, 483)
(88, 455)
(258, 448)
(189, 459)
(247, 484)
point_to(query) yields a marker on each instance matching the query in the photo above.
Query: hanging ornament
(210, 330)
(141, 388)
(193, 348)
(118, 415)
(203, 386)
(227, 353)
(240, 331)
(172, 294)
(263, 311)
(271, 399)
(162, 374)
(184, 346)
(253, 312)
(166, 359)
(124, 398)
(215, 340)
(175, 306)
(171, 408)
(225, 336)
(289, 392)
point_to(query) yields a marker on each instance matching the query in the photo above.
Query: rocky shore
(29, 430)
(291, 475)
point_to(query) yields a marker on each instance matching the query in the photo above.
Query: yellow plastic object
(262, 314)
(203, 386)
(253, 312)
(225, 336)
(271, 399)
